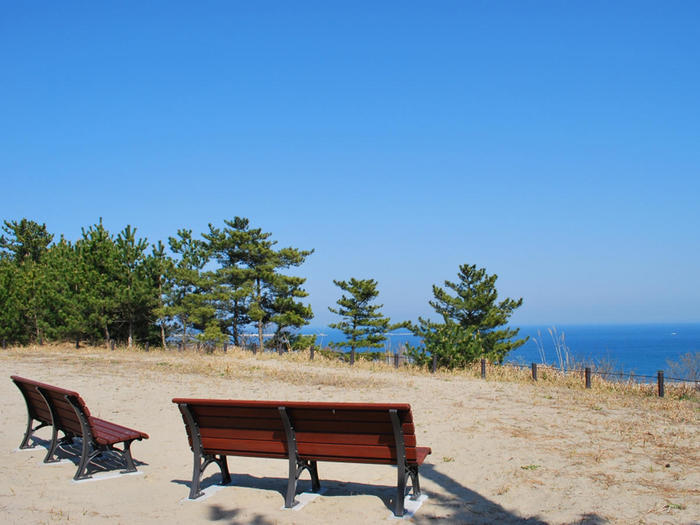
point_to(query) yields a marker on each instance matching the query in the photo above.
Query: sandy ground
(502, 452)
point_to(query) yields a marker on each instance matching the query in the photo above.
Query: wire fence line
(628, 375)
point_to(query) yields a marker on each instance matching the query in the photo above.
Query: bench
(66, 411)
(303, 433)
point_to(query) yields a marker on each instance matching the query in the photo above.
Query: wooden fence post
(534, 371)
(660, 381)
(279, 350)
(434, 364)
(312, 352)
(77, 342)
(225, 347)
(396, 360)
(147, 347)
(111, 345)
(179, 347)
(352, 356)
(483, 368)
(588, 377)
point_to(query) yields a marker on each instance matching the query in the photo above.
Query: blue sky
(557, 144)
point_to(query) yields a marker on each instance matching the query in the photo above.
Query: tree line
(213, 289)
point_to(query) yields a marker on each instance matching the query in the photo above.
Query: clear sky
(557, 144)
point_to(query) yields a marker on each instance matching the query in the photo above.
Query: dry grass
(327, 371)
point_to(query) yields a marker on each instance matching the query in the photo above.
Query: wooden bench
(303, 433)
(66, 411)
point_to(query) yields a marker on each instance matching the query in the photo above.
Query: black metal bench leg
(196, 476)
(126, 453)
(28, 433)
(52, 447)
(315, 482)
(400, 491)
(85, 458)
(413, 472)
(289, 501)
(225, 474)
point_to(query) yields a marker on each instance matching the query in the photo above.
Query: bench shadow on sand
(107, 462)
(456, 504)
(459, 504)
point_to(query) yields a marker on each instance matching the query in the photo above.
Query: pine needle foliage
(363, 325)
(473, 322)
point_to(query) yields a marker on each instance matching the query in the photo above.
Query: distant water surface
(640, 348)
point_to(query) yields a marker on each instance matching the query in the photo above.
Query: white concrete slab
(206, 493)
(304, 499)
(63, 461)
(411, 507)
(32, 449)
(101, 476)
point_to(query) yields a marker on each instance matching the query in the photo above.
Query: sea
(639, 349)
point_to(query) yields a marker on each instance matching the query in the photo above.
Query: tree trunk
(260, 336)
(36, 328)
(235, 323)
(131, 332)
(162, 336)
(162, 323)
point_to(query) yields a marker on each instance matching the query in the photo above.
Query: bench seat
(106, 433)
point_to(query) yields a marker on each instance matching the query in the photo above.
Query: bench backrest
(36, 406)
(64, 415)
(358, 432)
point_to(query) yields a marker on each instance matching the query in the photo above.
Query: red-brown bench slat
(107, 433)
(242, 423)
(237, 403)
(330, 414)
(237, 412)
(350, 427)
(421, 455)
(268, 447)
(353, 452)
(305, 437)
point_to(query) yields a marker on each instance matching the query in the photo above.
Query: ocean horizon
(638, 348)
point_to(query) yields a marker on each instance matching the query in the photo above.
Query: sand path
(502, 452)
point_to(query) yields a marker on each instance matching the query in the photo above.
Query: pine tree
(65, 278)
(190, 298)
(288, 314)
(160, 267)
(363, 325)
(12, 325)
(136, 295)
(231, 247)
(251, 272)
(474, 322)
(99, 268)
(27, 240)
(25, 245)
